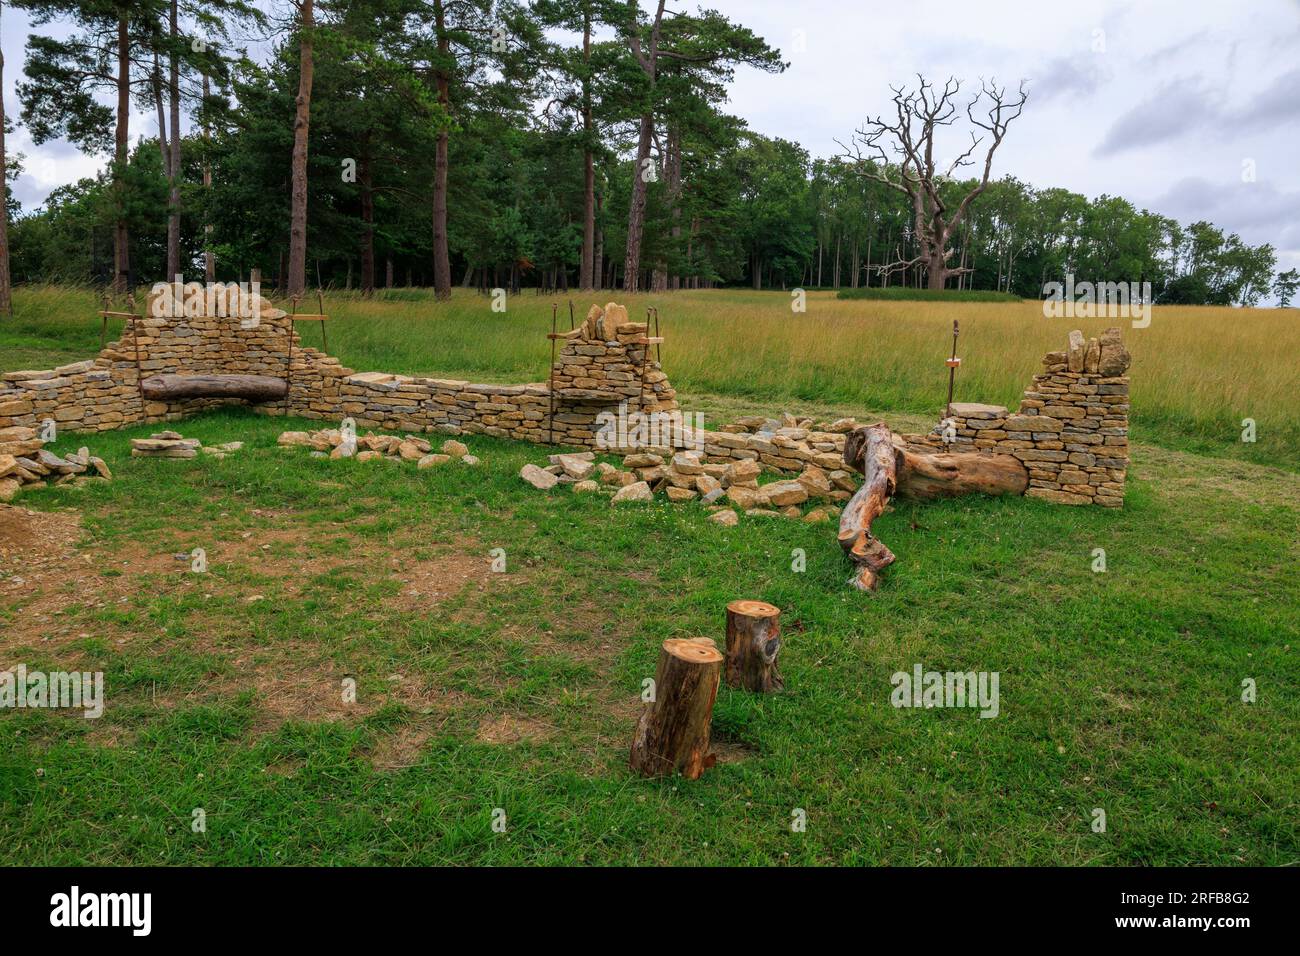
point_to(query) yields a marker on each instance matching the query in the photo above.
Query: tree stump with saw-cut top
(753, 642)
(673, 733)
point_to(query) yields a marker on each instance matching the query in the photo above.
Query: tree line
(556, 144)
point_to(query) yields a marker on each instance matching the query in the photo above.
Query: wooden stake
(550, 381)
(753, 641)
(673, 733)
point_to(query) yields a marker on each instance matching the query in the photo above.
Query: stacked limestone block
(603, 365)
(84, 396)
(25, 463)
(607, 362)
(1071, 430)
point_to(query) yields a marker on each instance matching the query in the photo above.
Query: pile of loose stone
(330, 443)
(24, 463)
(686, 476)
(171, 444)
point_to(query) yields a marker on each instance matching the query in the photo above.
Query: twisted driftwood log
(890, 467)
(871, 451)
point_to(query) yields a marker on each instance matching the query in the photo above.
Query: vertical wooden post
(753, 642)
(550, 378)
(673, 733)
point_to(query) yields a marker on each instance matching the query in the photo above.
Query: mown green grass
(1198, 373)
(1119, 690)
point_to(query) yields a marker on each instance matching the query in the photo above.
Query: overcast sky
(1190, 108)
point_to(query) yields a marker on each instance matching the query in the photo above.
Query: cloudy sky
(1190, 108)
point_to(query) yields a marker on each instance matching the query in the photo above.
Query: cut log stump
(753, 642)
(253, 388)
(673, 733)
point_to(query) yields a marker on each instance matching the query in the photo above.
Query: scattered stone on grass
(539, 478)
(166, 444)
(637, 491)
(684, 477)
(25, 463)
(329, 442)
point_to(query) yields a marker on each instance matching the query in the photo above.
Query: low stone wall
(103, 393)
(1071, 431)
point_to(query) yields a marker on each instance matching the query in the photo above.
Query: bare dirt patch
(400, 748)
(289, 687)
(29, 535)
(440, 578)
(46, 582)
(512, 729)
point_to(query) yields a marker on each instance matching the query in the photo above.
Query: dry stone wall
(1071, 430)
(592, 376)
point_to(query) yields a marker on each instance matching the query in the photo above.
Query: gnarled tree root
(890, 467)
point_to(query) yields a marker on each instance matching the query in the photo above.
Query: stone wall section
(1071, 430)
(103, 393)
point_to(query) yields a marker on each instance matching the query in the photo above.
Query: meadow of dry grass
(1197, 371)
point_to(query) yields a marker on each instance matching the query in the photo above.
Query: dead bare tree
(909, 165)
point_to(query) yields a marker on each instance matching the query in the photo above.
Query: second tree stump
(673, 733)
(753, 642)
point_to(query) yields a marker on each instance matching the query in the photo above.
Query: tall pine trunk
(675, 197)
(297, 278)
(121, 250)
(441, 256)
(587, 268)
(155, 84)
(174, 157)
(649, 62)
(209, 260)
(366, 180)
(6, 297)
(636, 212)
(598, 251)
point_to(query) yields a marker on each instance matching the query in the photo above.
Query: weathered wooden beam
(253, 388)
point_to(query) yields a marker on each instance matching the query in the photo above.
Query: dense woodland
(383, 143)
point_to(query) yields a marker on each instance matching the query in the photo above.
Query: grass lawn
(519, 690)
